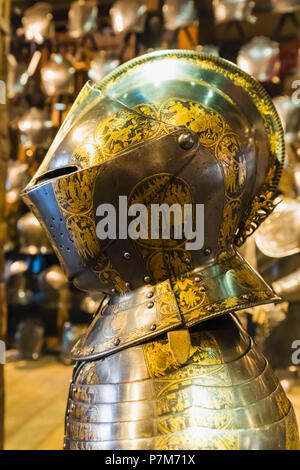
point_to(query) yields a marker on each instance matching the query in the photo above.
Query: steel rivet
(117, 342)
(127, 255)
(197, 279)
(210, 309)
(153, 327)
(147, 279)
(245, 296)
(202, 289)
(127, 284)
(92, 349)
(186, 140)
(207, 251)
(150, 304)
(149, 295)
(113, 290)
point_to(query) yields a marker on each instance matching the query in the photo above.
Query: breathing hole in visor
(49, 175)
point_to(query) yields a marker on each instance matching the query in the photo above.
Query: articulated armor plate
(182, 128)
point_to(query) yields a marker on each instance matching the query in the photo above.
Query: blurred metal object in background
(101, 65)
(30, 339)
(128, 16)
(36, 128)
(71, 334)
(178, 14)
(58, 76)
(91, 302)
(82, 18)
(209, 49)
(37, 22)
(33, 239)
(232, 10)
(19, 286)
(279, 235)
(285, 6)
(260, 58)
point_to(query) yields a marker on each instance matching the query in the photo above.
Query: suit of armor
(165, 364)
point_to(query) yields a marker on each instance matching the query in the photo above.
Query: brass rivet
(147, 279)
(197, 279)
(207, 251)
(202, 289)
(245, 296)
(117, 341)
(149, 295)
(92, 349)
(127, 255)
(127, 284)
(210, 309)
(153, 327)
(186, 140)
(113, 290)
(150, 304)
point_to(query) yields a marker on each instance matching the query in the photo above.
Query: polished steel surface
(260, 58)
(128, 16)
(141, 398)
(232, 10)
(82, 18)
(178, 14)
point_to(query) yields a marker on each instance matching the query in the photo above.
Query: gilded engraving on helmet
(204, 121)
(74, 194)
(127, 128)
(163, 258)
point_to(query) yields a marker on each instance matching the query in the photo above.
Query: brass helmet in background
(33, 239)
(37, 22)
(58, 76)
(128, 16)
(82, 18)
(232, 10)
(260, 58)
(179, 14)
(171, 127)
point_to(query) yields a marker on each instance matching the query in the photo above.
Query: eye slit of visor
(66, 170)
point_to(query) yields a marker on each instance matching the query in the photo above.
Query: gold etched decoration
(163, 258)
(215, 134)
(83, 232)
(291, 432)
(262, 202)
(188, 295)
(87, 154)
(198, 439)
(126, 128)
(161, 362)
(74, 194)
(204, 121)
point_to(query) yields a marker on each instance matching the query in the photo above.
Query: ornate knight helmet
(174, 127)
